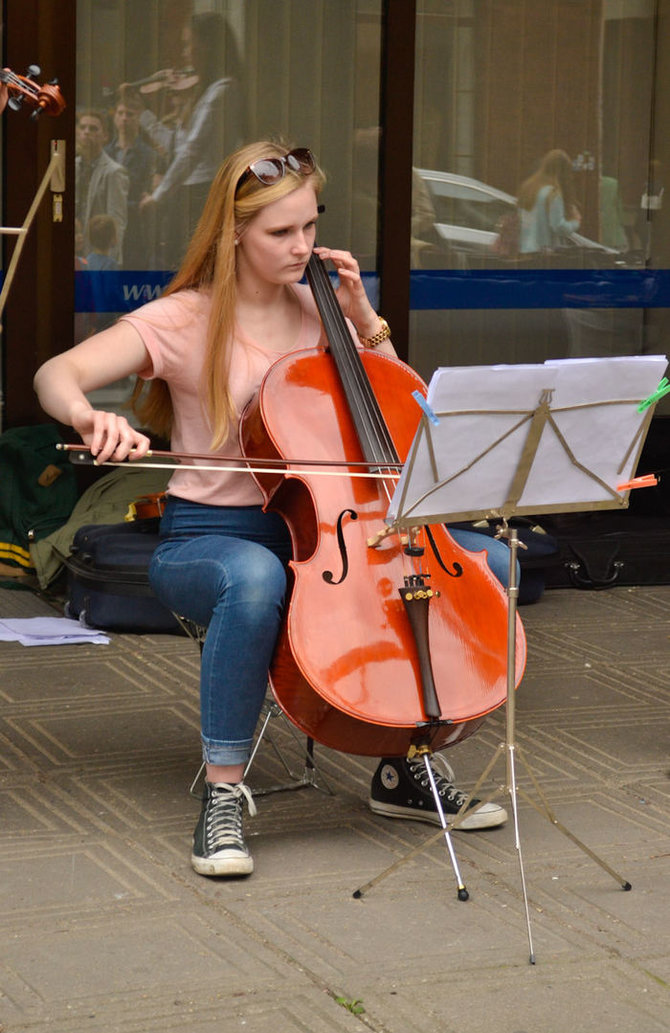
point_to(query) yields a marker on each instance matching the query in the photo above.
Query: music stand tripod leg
(511, 750)
(512, 538)
(544, 809)
(425, 752)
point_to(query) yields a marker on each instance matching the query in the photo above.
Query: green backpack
(38, 490)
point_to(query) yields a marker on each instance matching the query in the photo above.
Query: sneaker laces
(223, 823)
(444, 780)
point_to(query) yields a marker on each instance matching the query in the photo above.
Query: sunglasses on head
(270, 170)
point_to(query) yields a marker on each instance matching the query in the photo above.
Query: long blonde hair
(555, 171)
(209, 264)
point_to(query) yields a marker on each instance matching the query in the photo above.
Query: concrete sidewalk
(106, 928)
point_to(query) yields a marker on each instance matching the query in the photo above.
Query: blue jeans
(498, 552)
(224, 568)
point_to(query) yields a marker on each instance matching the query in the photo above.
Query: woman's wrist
(78, 410)
(381, 333)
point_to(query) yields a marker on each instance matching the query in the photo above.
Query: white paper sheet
(48, 631)
(485, 415)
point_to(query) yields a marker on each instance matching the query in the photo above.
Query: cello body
(347, 670)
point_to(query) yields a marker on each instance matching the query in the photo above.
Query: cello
(386, 643)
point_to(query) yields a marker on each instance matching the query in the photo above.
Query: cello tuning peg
(33, 71)
(15, 103)
(53, 82)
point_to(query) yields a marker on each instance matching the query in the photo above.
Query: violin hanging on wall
(24, 89)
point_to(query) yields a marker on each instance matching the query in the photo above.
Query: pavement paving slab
(106, 929)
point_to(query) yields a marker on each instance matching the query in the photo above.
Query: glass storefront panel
(501, 86)
(536, 196)
(165, 88)
(2, 257)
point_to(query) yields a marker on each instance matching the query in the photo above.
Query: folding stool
(310, 775)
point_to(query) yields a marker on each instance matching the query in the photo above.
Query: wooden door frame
(38, 315)
(396, 119)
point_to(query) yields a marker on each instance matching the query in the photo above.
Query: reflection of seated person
(139, 160)
(84, 323)
(612, 233)
(651, 205)
(365, 204)
(102, 237)
(547, 204)
(424, 250)
(79, 256)
(101, 184)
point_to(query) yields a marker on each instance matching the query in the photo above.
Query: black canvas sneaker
(218, 844)
(401, 789)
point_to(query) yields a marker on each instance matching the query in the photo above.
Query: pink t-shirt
(174, 331)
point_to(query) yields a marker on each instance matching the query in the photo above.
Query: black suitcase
(602, 549)
(107, 579)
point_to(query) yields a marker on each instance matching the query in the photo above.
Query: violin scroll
(165, 79)
(25, 89)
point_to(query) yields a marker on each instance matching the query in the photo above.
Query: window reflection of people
(211, 127)
(101, 184)
(139, 160)
(547, 203)
(365, 201)
(424, 249)
(235, 306)
(651, 204)
(612, 232)
(79, 255)
(102, 237)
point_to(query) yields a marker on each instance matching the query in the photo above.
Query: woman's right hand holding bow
(108, 435)
(63, 383)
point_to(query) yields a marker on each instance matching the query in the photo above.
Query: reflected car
(468, 212)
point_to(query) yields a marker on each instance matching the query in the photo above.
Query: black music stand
(567, 437)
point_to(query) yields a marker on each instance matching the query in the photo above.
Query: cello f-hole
(456, 569)
(342, 545)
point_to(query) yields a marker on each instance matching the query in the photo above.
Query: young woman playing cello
(235, 306)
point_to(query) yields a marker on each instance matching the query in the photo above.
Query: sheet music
(590, 440)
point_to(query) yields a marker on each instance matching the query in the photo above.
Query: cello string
(357, 386)
(360, 386)
(368, 431)
(12, 79)
(345, 354)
